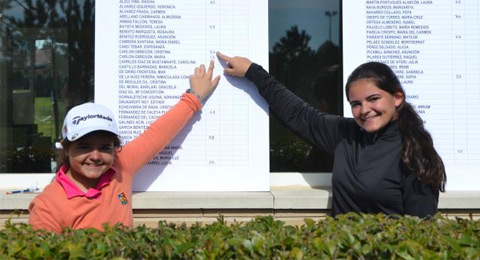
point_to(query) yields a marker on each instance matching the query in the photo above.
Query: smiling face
(90, 157)
(372, 107)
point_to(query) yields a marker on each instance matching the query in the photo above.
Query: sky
(308, 15)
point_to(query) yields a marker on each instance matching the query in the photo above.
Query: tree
(67, 22)
(294, 45)
(314, 76)
(68, 25)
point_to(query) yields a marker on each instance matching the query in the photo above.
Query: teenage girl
(384, 162)
(94, 185)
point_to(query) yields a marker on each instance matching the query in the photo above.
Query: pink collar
(72, 190)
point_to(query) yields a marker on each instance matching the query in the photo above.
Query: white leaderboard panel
(434, 48)
(145, 51)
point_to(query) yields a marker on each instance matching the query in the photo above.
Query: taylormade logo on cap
(86, 118)
(76, 120)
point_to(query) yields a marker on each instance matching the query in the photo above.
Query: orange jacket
(52, 210)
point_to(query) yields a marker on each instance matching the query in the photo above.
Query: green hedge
(348, 236)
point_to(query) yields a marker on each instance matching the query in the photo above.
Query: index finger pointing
(210, 68)
(223, 56)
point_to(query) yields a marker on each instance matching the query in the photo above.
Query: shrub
(349, 236)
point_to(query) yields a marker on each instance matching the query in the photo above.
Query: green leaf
(452, 243)
(296, 253)
(467, 241)
(309, 222)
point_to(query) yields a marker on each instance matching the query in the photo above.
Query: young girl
(94, 186)
(384, 158)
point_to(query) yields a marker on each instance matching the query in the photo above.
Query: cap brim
(87, 130)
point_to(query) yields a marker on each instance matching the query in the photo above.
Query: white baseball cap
(86, 118)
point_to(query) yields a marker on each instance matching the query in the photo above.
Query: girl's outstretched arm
(201, 82)
(153, 140)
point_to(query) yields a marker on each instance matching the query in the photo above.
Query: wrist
(194, 93)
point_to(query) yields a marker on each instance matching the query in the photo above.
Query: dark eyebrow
(374, 95)
(367, 98)
(83, 143)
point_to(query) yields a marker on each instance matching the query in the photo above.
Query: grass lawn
(44, 117)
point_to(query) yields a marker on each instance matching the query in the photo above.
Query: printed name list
(158, 45)
(434, 48)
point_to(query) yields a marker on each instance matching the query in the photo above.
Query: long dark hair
(418, 153)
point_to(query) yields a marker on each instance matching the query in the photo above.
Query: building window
(47, 66)
(305, 56)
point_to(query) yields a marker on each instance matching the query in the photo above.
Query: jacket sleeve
(153, 140)
(419, 199)
(315, 126)
(41, 216)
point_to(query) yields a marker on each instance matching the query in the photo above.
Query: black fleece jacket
(368, 174)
